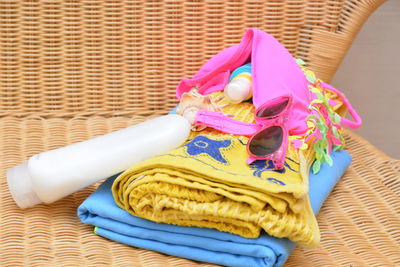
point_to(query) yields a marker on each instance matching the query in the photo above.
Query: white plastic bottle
(239, 87)
(52, 175)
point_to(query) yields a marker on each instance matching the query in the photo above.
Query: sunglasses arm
(223, 123)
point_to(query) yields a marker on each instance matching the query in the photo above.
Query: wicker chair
(72, 70)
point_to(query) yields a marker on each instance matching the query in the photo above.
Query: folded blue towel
(201, 244)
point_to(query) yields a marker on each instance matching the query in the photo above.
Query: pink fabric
(276, 77)
(224, 123)
(275, 74)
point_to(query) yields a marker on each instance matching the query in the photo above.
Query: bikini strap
(356, 123)
(225, 124)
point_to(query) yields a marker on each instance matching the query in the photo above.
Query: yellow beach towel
(207, 183)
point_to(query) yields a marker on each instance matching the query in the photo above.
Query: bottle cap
(21, 187)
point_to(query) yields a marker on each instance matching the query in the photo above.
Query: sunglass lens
(273, 110)
(267, 141)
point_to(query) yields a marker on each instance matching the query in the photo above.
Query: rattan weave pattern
(74, 69)
(84, 57)
(359, 222)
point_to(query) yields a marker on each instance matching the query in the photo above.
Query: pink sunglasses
(268, 137)
(270, 142)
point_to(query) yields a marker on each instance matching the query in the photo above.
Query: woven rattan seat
(71, 70)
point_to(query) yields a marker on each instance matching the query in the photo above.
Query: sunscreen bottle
(52, 175)
(239, 87)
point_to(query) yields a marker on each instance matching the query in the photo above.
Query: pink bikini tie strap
(357, 120)
(225, 124)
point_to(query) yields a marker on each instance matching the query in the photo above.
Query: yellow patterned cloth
(207, 183)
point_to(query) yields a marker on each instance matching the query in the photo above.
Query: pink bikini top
(275, 74)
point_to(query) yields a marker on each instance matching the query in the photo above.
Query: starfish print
(203, 145)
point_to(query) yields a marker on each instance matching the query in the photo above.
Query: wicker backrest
(66, 58)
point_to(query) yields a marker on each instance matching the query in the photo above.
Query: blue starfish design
(203, 145)
(261, 166)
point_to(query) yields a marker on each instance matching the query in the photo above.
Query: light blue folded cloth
(201, 244)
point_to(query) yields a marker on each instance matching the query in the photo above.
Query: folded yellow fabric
(207, 183)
